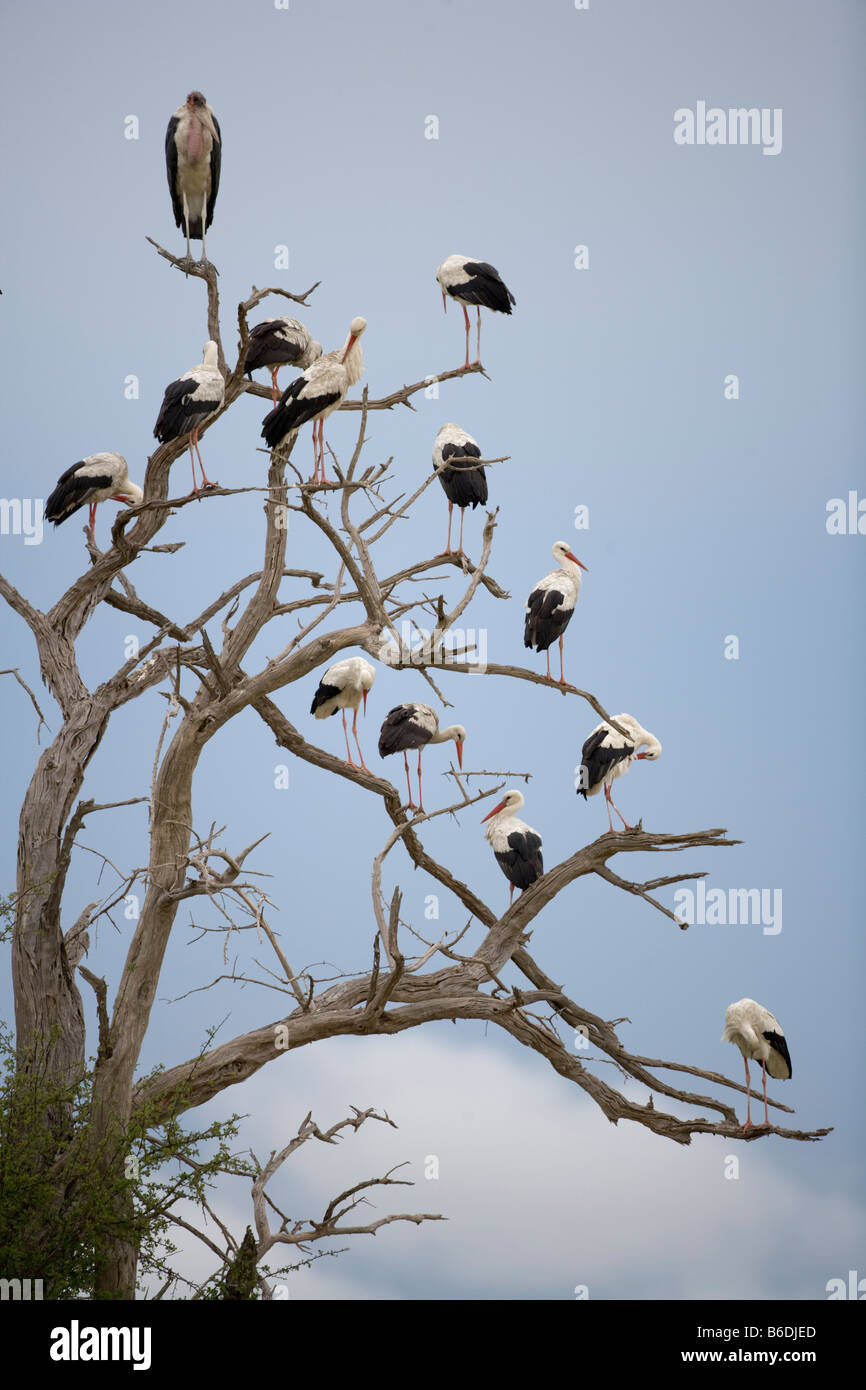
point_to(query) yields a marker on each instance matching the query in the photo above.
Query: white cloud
(540, 1191)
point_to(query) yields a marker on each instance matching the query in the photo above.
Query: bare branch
(100, 989)
(13, 671)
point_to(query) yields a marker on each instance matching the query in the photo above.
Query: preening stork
(343, 686)
(414, 726)
(193, 154)
(98, 478)
(758, 1035)
(274, 343)
(606, 755)
(551, 604)
(189, 403)
(473, 282)
(464, 485)
(315, 394)
(516, 845)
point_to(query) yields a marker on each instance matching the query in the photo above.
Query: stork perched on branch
(473, 282)
(275, 343)
(606, 755)
(193, 155)
(551, 604)
(516, 845)
(315, 394)
(189, 403)
(464, 486)
(414, 726)
(97, 478)
(758, 1035)
(343, 686)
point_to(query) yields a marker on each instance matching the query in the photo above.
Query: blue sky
(707, 519)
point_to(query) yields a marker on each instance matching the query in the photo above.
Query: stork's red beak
(460, 755)
(364, 693)
(349, 345)
(119, 497)
(570, 556)
(639, 755)
(500, 807)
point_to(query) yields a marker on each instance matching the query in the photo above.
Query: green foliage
(58, 1211)
(7, 919)
(67, 1195)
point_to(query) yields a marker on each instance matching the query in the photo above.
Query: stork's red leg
(462, 514)
(447, 550)
(315, 477)
(420, 793)
(348, 749)
(319, 451)
(618, 811)
(205, 480)
(766, 1111)
(322, 449)
(274, 375)
(410, 803)
(355, 732)
(466, 318)
(478, 339)
(549, 676)
(561, 667)
(607, 803)
(748, 1124)
(511, 895)
(192, 462)
(92, 521)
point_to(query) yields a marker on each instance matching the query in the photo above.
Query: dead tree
(206, 680)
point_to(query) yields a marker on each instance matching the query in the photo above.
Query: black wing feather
(70, 473)
(267, 348)
(399, 732)
(464, 486)
(73, 490)
(598, 758)
(486, 288)
(171, 169)
(291, 412)
(178, 415)
(322, 695)
(546, 620)
(216, 159)
(778, 1044)
(522, 863)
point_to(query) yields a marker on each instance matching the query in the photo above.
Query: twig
(13, 671)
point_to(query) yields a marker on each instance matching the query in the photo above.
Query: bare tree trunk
(48, 1008)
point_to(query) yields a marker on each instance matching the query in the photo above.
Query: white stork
(274, 343)
(473, 282)
(758, 1035)
(516, 845)
(606, 755)
(193, 154)
(343, 686)
(551, 604)
(188, 403)
(315, 394)
(464, 485)
(97, 478)
(414, 726)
